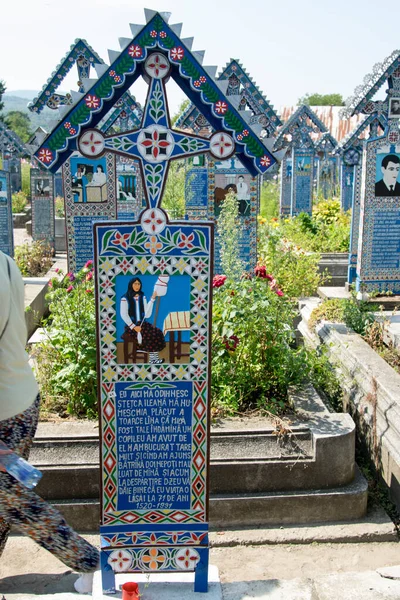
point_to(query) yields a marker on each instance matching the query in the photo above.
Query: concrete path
(316, 571)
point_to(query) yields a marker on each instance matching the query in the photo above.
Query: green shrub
(19, 202)
(253, 358)
(327, 230)
(34, 259)
(59, 207)
(295, 270)
(26, 178)
(356, 314)
(269, 199)
(66, 360)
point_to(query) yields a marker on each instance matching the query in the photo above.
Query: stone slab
(356, 586)
(271, 589)
(333, 292)
(168, 586)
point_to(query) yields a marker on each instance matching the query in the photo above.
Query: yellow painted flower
(143, 265)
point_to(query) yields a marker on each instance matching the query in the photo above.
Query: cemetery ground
(318, 562)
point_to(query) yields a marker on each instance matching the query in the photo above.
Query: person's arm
(125, 316)
(5, 292)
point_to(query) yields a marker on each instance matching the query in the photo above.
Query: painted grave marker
(6, 222)
(42, 200)
(378, 253)
(90, 196)
(351, 152)
(153, 290)
(220, 177)
(327, 172)
(296, 136)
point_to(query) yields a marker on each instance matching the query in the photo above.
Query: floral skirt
(30, 514)
(152, 337)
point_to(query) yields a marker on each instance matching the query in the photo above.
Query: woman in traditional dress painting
(134, 310)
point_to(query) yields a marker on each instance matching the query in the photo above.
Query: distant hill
(18, 100)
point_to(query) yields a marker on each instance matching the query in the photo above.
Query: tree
(174, 192)
(322, 100)
(2, 90)
(182, 107)
(19, 123)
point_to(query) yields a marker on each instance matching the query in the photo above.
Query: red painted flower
(45, 155)
(163, 35)
(135, 51)
(177, 53)
(121, 239)
(153, 221)
(153, 33)
(92, 101)
(202, 79)
(186, 241)
(117, 79)
(72, 131)
(67, 125)
(220, 107)
(245, 132)
(112, 73)
(239, 137)
(218, 281)
(196, 83)
(155, 141)
(265, 161)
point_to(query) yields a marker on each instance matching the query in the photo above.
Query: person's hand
(3, 451)
(154, 296)
(138, 329)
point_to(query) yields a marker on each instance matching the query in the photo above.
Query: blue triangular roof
(295, 124)
(372, 82)
(187, 71)
(79, 48)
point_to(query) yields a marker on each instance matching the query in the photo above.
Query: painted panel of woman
(134, 310)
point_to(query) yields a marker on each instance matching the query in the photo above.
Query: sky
(289, 48)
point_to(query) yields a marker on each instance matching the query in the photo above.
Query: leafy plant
(19, 202)
(59, 207)
(174, 193)
(229, 237)
(355, 314)
(66, 359)
(295, 270)
(253, 357)
(34, 259)
(327, 230)
(269, 200)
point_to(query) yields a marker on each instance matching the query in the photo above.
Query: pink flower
(135, 51)
(89, 291)
(278, 292)
(57, 270)
(88, 264)
(89, 276)
(50, 284)
(69, 289)
(218, 281)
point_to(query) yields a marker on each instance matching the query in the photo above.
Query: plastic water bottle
(19, 468)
